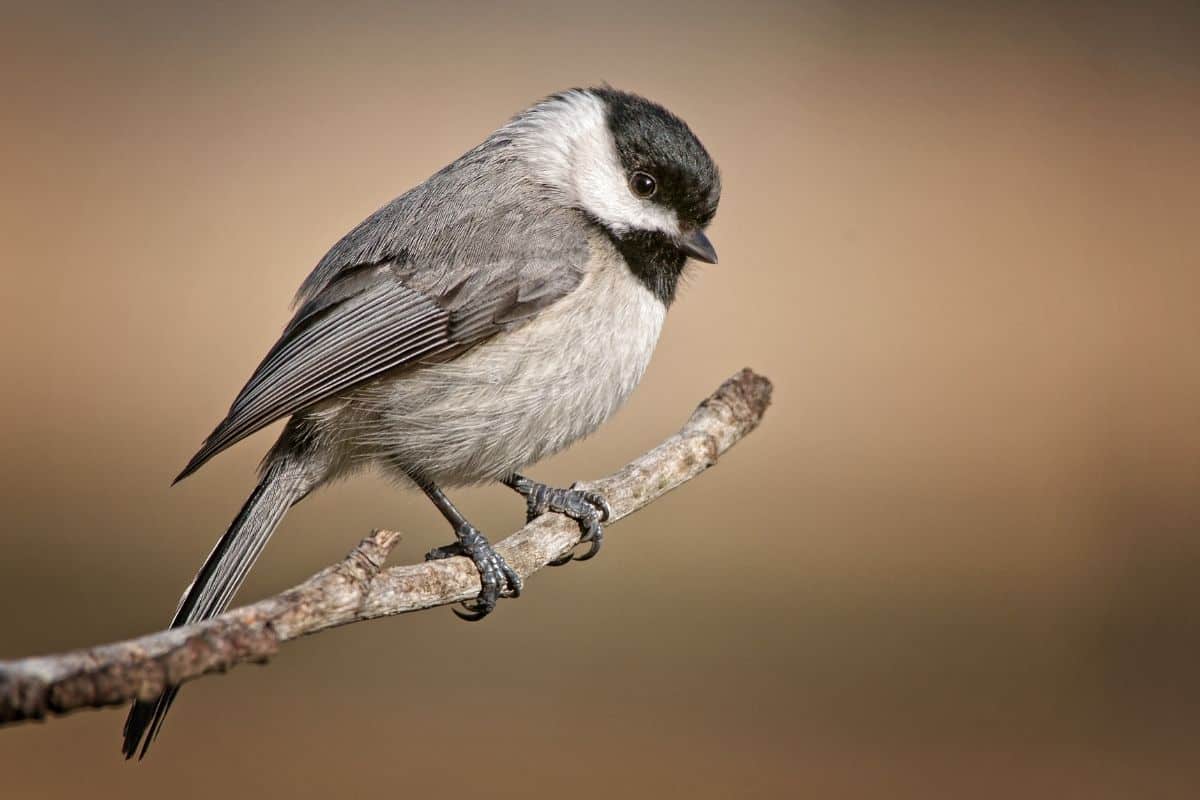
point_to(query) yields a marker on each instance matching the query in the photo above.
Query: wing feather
(388, 326)
(434, 271)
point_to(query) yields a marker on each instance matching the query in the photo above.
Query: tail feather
(282, 484)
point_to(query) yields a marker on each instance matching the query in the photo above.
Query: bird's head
(631, 166)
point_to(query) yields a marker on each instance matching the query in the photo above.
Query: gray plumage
(457, 259)
(283, 483)
(482, 321)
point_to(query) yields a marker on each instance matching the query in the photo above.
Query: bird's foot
(590, 509)
(496, 576)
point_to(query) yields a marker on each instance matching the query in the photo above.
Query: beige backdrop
(960, 558)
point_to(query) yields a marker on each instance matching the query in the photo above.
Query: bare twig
(358, 588)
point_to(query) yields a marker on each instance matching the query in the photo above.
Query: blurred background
(960, 557)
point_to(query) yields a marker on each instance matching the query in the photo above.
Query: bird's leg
(496, 577)
(589, 509)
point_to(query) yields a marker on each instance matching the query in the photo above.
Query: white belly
(519, 397)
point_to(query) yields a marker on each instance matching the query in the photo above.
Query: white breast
(519, 397)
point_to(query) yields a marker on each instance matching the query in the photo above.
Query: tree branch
(358, 588)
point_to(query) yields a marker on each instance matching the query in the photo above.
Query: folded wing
(371, 321)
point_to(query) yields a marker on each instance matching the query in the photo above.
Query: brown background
(961, 557)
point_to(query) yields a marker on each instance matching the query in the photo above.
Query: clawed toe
(497, 579)
(588, 508)
(445, 551)
(597, 501)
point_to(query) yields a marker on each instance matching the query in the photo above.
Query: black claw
(512, 580)
(473, 616)
(496, 578)
(591, 552)
(598, 500)
(445, 551)
(590, 509)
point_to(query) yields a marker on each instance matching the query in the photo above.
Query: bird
(476, 324)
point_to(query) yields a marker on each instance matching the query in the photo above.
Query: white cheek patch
(572, 149)
(602, 188)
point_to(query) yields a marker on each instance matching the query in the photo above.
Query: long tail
(283, 483)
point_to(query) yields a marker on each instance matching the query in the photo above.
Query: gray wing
(334, 344)
(425, 297)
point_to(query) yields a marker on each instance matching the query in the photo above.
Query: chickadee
(480, 322)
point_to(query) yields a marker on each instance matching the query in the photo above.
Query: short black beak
(696, 245)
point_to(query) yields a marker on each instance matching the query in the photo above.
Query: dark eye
(642, 185)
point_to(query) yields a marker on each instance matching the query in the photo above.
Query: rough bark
(359, 588)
